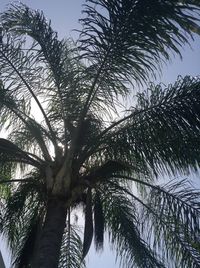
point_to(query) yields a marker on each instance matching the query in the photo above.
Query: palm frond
(21, 212)
(170, 219)
(23, 20)
(131, 37)
(71, 249)
(32, 139)
(103, 171)
(62, 71)
(14, 113)
(174, 222)
(11, 153)
(5, 188)
(162, 132)
(121, 222)
(13, 59)
(22, 65)
(26, 254)
(177, 201)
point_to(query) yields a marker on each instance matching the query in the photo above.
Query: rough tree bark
(51, 235)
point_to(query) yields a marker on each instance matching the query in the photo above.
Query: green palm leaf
(71, 250)
(175, 221)
(121, 222)
(161, 133)
(61, 69)
(11, 153)
(170, 219)
(22, 20)
(29, 242)
(129, 38)
(21, 215)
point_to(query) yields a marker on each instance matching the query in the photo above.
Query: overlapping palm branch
(170, 220)
(71, 250)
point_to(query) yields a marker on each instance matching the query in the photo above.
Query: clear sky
(64, 15)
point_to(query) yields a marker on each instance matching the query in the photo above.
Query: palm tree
(69, 148)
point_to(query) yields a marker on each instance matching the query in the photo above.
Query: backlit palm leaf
(121, 222)
(161, 132)
(21, 217)
(71, 250)
(128, 38)
(170, 219)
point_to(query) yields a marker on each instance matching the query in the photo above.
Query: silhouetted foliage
(69, 148)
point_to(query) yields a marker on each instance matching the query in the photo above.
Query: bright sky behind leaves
(64, 15)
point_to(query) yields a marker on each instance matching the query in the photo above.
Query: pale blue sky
(64, 15)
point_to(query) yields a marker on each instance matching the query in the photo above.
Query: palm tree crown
(79, 152)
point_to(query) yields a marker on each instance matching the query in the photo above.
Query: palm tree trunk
(51, 236)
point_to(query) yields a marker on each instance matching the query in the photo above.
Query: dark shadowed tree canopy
(73, 147)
